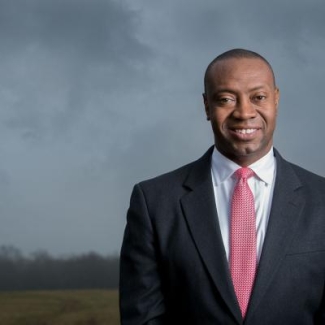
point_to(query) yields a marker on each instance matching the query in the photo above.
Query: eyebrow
(227, 90)
(258, 88)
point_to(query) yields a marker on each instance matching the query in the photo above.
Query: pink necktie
(243, 239)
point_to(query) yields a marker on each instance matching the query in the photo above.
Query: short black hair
(235, 54)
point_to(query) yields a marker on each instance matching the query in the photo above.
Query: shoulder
(307, 175)
(174, 179)
(290, 172)
(309, 178)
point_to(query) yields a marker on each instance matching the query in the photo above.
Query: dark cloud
(65, 69)
(58, 55)
(97, 95)
(102, 30)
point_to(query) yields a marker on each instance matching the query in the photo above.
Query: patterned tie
(243, 239)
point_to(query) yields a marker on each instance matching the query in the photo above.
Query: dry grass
(84, 307)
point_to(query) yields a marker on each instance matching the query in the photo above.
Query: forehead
(240, 72)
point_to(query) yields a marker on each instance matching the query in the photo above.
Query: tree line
(41, 271)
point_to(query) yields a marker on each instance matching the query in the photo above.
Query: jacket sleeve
(141, 297)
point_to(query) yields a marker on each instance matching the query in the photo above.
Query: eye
(260, 97)
(225, 100)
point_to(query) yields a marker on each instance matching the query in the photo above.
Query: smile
(245, 131)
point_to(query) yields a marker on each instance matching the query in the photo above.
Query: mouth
(245, 131)
(244, 134)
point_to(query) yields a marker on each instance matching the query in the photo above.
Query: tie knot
(244, 173)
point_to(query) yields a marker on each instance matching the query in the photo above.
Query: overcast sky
(96, 95)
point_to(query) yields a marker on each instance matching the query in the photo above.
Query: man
(236, 237)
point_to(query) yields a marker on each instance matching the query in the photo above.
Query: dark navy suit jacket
(173, 264)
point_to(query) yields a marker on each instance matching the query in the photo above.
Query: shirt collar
(223, 168)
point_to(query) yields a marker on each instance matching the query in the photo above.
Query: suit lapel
(200, 212)
(286, 208)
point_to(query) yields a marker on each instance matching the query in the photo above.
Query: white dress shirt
(261, 184)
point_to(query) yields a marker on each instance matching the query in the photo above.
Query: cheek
(269, 115)
(271, 121)
(219, 119)
(217, 125)
(269, 118)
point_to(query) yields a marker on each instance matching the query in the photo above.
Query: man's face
(241, 102)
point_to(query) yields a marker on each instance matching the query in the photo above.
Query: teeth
(245, 131)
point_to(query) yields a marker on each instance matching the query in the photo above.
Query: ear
(206, 106)
(277, 97)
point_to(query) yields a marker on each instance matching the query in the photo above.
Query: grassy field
(84, 307)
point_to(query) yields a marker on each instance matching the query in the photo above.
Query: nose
(244, 109)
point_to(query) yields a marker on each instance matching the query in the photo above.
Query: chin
(247, 152)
